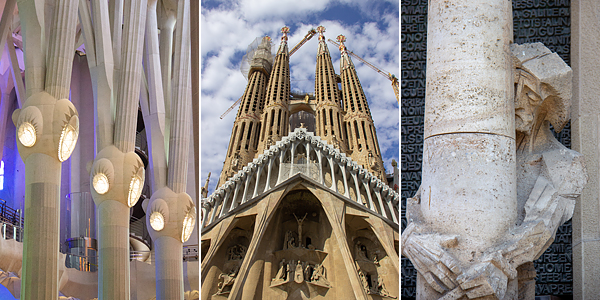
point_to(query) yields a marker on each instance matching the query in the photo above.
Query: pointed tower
(276, 114)
(362, 139)
(247, 125)
(329, 107)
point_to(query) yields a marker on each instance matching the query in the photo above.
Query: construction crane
(387, 75)
(307, 37)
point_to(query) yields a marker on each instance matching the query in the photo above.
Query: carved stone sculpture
(281, 273)
(549, 179)
(319, 275)
(226, 280)
(300, 222)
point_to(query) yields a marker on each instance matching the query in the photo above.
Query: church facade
(302, 209)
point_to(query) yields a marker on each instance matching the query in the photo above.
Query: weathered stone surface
(453, 259)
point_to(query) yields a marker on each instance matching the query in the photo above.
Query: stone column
(585, 119)
(169, 267)
(43, 143)
(469, 170)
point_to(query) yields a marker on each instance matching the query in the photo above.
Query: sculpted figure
(549, 179)
(319, 275)
(226, 280)
(300, 221)
(235, 163)
(281, 272)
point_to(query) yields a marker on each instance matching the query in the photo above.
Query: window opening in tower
(258, 127)
(249, 133)
(271, 123)
(278, 121)
(365, 135)
(241, 136)
(232, 142)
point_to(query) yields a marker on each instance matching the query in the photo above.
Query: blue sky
(372, 30)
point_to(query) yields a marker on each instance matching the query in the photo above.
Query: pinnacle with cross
(285, 31)
(320, 30)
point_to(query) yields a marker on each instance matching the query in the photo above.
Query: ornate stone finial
(284, 31)
(320, 30)
(341, 38)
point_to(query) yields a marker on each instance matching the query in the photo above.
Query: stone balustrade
(302, 153)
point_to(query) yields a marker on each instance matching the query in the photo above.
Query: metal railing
(11, 222)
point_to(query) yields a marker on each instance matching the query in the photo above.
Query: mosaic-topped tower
(362, 139)
(246, 128)
(276, 114)
(329, 105)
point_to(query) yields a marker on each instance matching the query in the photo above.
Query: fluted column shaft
(154, 111)
(60, 49)
(42, 228)
(130, 75)
(179, 141)
(113, 250)
(169, 268)
(33, 30)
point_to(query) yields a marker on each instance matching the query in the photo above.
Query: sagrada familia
(98, 161)
(303, 207)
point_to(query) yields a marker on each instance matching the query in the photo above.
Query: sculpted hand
(434, 263)
(490, 277)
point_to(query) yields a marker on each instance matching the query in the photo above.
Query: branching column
(117, 175)
(47, 130)
(170, 213)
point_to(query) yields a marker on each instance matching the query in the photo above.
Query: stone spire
(276, 115)
(329, 107)
(362, 138)
(246, 128)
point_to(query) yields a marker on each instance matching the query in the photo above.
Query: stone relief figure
(226, 280)
(299, 273)
(281, 273)
(235, 162)
(236, 252)
(549, 179)
(361, 251)
(308, 271)
(300, 221)
(289, 240)
(319, 275)
(269, 143)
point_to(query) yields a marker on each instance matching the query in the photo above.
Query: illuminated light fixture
(135, 190)
(27, 134)
(188, 224)
(157, 221)
(68, 138)
(100, 183)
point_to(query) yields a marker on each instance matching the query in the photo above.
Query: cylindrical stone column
(469, 169)
(116, 180)
(42, 228)
(113, 250)
(60, 49)
(47, 131)
(169, 260)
